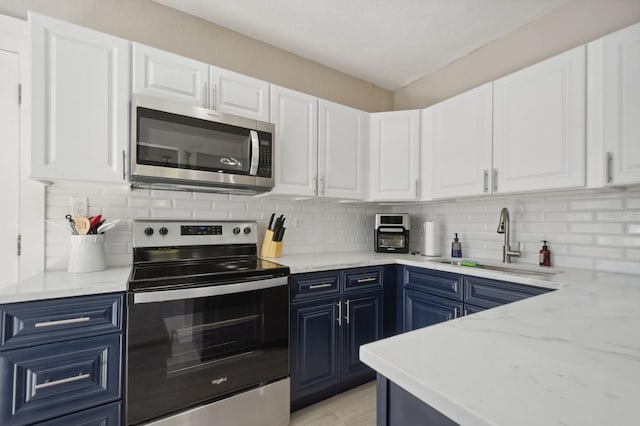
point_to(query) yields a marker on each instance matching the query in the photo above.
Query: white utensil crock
(87, 253)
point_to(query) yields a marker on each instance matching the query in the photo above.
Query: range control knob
(236, 230)
(148, 231)
(247, 230)
(163, 231)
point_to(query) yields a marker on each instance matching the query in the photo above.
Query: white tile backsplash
(586, 229)
(326, 226)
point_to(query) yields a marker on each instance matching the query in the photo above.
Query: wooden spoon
(82, 225)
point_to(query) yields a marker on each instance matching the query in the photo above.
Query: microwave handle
(255, 152)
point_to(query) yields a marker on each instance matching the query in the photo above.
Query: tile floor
(356, 407)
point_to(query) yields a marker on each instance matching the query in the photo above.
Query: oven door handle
(214, 290)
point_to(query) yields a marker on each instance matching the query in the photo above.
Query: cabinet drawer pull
(339, 313)
(62, 322)
(366, 280)
(62, 381)
(315, 286)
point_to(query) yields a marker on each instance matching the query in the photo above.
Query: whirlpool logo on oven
(218, 381)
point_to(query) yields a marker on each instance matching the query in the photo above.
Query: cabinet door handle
(417, 189)
(609, 167)
(495, 180)
(62, 381)
(315, 286)
(455, 312)
(62, 322)
(366, 280)
(339, 313)
(466, 312)
(315, 185)
(124, 165)
(322, 185)
(205, 95)
(486, 180)
(213, 96)
(347, 307)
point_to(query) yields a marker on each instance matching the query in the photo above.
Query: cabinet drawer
(488, 293)
(438, 283)
(362, 278)
(34, 323)
(314, 284)
(106, 415)
(52, 380)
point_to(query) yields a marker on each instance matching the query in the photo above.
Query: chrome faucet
(503, 228)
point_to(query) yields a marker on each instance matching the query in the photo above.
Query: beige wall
(151, 23)
(575, 23)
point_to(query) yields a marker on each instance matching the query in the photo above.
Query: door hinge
(19, 94)
(19, 245)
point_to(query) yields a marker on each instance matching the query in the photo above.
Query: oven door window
(182, 353)
(170, 140)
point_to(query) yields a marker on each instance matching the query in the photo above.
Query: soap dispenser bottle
(456, 247)
(545, 254)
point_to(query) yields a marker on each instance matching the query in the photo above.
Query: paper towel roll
(431, 245)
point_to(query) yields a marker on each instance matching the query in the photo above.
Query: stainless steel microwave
(177, 146)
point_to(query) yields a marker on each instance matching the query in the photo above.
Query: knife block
(269, 247)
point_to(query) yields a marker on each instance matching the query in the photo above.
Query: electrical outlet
(79, 206)
(297, 224)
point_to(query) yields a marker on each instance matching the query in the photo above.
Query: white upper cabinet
(394, 155)
(539, 126)
(170, 76)
(239, 94)
(341, 135)
(81, 91)
(295, 116)
(614, 108)
(460, 135)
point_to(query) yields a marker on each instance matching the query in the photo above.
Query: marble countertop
(568, 357)
(55, 284)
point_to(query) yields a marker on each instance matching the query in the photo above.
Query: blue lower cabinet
(42, 382)
(422, 309)
(472, 309)
(362, 325)
(315, 344)
(106, 415)
(397, 407)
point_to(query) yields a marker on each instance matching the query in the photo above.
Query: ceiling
(390, 43)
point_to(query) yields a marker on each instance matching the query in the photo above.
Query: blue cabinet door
(362, 324)
(315, 334)
(51, 380)
(422, 309)
(105, 415)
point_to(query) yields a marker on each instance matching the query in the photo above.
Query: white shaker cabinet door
(169, 76)
(461, 136)
(539, 126)
(239, 94)
(81, 91)
(394, 155)
(614, 106)
(341, 135)
(295, 116)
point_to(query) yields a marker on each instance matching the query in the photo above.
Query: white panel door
(170, 76)
(341, 136)
(539, 126)
(81, 93)
(461, 136)
(621, 105)
(9, 165)
(394, 155)
(239, 94)
(295, 116)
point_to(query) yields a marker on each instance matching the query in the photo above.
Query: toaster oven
(392, 233)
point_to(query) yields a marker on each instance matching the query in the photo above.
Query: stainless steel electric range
(207, 327)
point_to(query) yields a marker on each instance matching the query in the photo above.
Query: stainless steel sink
(518, 271)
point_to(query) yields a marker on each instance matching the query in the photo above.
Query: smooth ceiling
(390, 43)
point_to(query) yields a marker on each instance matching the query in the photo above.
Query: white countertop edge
(422, 391)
